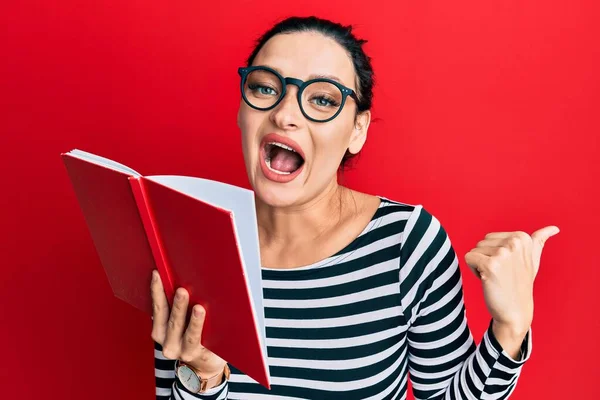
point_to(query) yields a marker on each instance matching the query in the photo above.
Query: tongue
(284, 160)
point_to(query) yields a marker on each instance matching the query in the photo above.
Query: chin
(275, 194)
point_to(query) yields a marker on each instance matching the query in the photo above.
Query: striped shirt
(386, 309)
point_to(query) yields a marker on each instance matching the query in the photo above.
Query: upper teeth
(283, 146)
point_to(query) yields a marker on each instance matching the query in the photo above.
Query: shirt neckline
(340, 254)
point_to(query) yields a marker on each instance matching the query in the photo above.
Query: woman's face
(282, 178)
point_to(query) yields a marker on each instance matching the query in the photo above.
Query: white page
(240, 202)
(105, 162)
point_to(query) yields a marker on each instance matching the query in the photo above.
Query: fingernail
(154, 276)
(197, 311)
(179, 295)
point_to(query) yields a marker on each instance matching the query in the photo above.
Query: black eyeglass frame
(245, 71)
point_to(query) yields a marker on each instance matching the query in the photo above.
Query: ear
(359, 133)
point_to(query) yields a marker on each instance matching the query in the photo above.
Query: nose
(287, 114)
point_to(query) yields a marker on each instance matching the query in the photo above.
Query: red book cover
(111, 214)
(143, 223)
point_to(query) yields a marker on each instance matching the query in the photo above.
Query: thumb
(539, 239)
(540, 236)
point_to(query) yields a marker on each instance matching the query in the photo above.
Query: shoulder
(414, 225)
(391, 205)
(393, 216)
(409, 214)
(426, 251)
(422, 233)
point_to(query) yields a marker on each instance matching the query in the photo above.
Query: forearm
(459, 368)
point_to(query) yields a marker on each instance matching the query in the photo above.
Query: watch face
(188, 378)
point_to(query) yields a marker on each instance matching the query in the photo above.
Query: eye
(324, 101)
(262, 90)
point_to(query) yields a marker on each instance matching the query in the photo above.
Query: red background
(487, 114)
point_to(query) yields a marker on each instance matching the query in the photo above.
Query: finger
(160, 309)
(477, 262)
(491, 242)
(193, 333)
(486, 250)
(498, 235)
(176, 324)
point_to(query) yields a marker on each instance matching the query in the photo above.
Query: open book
(199, 234)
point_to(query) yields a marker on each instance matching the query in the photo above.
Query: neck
(301, 223)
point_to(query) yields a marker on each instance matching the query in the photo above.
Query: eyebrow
(325, 76)
(313, 76)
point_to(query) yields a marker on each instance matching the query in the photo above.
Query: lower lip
(275, 177)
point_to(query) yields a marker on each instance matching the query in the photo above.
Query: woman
(361, 292)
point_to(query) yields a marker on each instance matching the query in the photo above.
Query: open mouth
(282, 159)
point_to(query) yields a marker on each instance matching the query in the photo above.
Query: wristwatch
(190, 378)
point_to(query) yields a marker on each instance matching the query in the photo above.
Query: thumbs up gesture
(507, 264)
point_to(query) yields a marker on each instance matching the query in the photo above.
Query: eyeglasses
(320, 100)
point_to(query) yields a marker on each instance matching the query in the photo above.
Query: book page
(240, 202)
(103, 161)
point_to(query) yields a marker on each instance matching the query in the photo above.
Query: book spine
(158, 251)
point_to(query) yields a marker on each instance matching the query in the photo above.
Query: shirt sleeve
(169, 387)
(444, 362)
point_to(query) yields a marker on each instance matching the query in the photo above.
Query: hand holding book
(179, 341)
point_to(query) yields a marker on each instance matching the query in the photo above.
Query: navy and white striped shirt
(358, 325)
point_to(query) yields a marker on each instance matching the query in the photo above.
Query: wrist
(197, 381)
(510, 337)
(511, 330)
